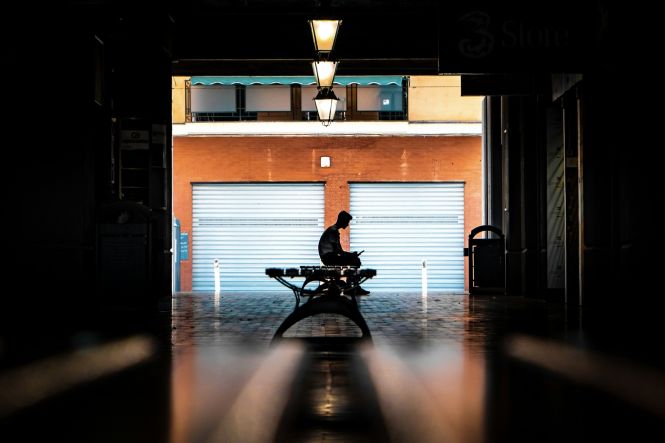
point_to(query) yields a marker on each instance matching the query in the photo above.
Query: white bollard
(216, 271)
(423, 302)
(423, 279)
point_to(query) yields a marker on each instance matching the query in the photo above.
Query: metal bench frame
(331, 295)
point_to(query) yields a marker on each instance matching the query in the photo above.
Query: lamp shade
(326, 105)
(324, 71)
(324, 33)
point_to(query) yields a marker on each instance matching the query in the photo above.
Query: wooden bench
(329, 289)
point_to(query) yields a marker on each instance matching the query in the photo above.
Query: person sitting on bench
(330, 248)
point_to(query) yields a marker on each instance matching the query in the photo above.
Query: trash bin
(487, 262)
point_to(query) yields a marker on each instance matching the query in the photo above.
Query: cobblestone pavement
(441, 368)
(446, 367)
(397, 319)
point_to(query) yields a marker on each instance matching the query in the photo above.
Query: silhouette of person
(331, 251)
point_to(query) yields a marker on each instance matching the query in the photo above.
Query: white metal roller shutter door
(401, 224)
(250, 227)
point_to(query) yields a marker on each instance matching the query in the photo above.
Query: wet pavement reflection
(439, 368)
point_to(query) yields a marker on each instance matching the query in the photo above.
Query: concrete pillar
(140, 81)
(513, 195)
(492, 165)
(597, 193)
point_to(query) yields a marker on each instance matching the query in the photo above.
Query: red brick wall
(354, 159)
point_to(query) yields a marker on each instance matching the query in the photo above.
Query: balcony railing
(223, 116)
(289, 116)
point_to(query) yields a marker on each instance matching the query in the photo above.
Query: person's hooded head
(343, 219)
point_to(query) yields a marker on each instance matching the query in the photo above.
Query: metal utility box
(124, 250)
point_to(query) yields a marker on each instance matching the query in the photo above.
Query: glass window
(380, 98)
(309, 92)
(214, 98)
(268, 98)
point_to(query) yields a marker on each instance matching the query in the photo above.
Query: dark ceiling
(526, 39)
(263, 37)
(391, 37)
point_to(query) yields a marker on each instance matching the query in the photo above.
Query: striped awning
(382, 80)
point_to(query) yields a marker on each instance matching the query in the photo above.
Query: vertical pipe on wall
(580, 200)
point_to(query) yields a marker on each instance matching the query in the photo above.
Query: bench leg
(325, 305)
